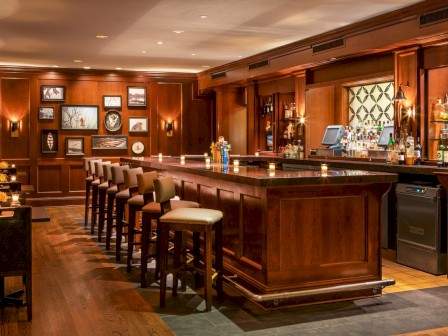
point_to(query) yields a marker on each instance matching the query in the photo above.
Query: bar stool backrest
(145, 183)
(118, 175)
(86, 164)
(165, 191)
(92, 166)
(130, 177)
(99, 168)
(107, 171)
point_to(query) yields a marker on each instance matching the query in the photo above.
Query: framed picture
(79, 117)
(52, 93)
(46, 112)
(136, 96)
(109, 142)
(137, 147)
(49, 141)
(138, 124)
(112, 120)
(74, 146)
(112, 102)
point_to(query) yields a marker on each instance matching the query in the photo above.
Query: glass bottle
(440, 153)
(410, 149)
(438, 109)
(418, 152)
(445, 154)
(401, 152)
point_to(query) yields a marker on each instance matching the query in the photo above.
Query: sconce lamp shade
(14, 129)
(400, 94)
(169, 128)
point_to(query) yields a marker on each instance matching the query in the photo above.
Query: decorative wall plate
(138, 147)
(112, 120)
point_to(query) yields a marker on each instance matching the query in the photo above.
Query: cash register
(332, 139)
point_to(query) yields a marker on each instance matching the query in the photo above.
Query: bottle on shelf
(287, 110)
(410, 149)
(390, 148)
(438, 110)
(445, 154)
(300, 151)
(418, 152)
(401, 152)
(440, 153)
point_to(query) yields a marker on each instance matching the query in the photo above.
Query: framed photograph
(112, 102)
(137, 147)
(74, 146)
(52, 93)
(136, 96)
(46, 112)
(138, 124)
(109, 142)
(79, 117)
(112, 120)
(49, 141)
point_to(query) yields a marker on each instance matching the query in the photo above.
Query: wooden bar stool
(117, 185)
(97, 171)
(152, 211)
(89, 180)
(121, 198)
(102, 191)
(196, 220)
(145, 195)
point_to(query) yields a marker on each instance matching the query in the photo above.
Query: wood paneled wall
(58, 178)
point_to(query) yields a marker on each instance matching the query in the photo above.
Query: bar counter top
(254, 175)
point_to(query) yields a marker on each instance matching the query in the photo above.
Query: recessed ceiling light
(87, 67)
(101, 36)
(118, 68)
(160, 42)
(206, 66)
(143, 51)
(77, 61)
(193, 54)
(55, 66)
(178, 31)
(240, 56)
(203, 16)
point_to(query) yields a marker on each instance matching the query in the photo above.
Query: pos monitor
(384, 136)
(333, 136)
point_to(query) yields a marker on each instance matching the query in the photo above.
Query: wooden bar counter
(297, 237)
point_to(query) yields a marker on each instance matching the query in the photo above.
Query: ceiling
(55, 33)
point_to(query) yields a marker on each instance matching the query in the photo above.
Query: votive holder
(182, 159)
(13, 178)
(272, 169)
(15, 200)
(160, 157)
(207, 163)
(13, 165)
(324, 169)
(257, 154)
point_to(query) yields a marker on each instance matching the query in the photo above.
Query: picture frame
(109, 141)
(136, 96)
(112, 101)
(74, 146)
(112, 120)
(49, 141)
(138, 124)
(79, 117)
(46, 112)
(52, 93)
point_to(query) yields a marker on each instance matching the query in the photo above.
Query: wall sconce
(169, 128)
(400, 94)
(14, 129)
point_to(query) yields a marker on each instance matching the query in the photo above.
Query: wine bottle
(401, 152)
(418, 152)
(440, 153)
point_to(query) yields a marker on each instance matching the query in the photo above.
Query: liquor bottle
(445, 155)
(440, 153)
(410, 149)
(401, 152)
(438, 109)
(390, 144)
(300, 150)
(418, 152)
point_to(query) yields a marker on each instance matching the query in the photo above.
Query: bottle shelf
(439, 121)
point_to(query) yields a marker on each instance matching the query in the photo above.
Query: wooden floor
(77, 289)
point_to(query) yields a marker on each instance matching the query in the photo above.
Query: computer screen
(333, 135)
(384, 136)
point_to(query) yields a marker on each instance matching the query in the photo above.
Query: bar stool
(97, 171)
(152, 211)
(89, 179)
(117, 186)
(121, 198)
(145, 195)
(102, 191)
(198, 221)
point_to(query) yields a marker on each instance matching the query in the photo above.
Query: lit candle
(13, 178)
(182, 159)
(324, 169)
(205, 154)
(13, 165)
(15, 200)
(272, 169)
(236, 163)
(207, 163)
(160, 157)
(257, 154)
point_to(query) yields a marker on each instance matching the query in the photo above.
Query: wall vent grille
(260, 64)
(433, 17)
(334, 44)
(218, 75)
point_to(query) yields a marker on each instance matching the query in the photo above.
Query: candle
(13, 178)
(15, 200)
(236, 163)
(182, 159)
(257, 154)
(324, 169)
(160, 157)
(272, 169)
(13, 165)
(205, 154)
(207, 163)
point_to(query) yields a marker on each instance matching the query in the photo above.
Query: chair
(16, 253)
(89, 180)
(197, 221)
(121, 198)
(145, 195)
(152, 211)
(102, 192)
(97, 171)
(117, 185)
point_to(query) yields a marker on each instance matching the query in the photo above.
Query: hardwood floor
(77, 289)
